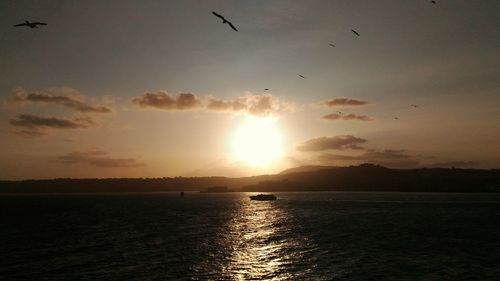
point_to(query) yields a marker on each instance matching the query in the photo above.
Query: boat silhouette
(263, 197)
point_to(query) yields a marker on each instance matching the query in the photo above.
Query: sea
(227, 236)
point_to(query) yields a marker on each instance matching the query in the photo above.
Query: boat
(263, 197)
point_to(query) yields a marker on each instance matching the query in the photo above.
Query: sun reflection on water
(262, 243)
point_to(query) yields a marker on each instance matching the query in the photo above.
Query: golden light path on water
(264, 243)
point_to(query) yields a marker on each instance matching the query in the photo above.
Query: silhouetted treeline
(364, 177)
(68, 185)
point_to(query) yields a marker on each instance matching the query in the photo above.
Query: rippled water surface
(301, 236)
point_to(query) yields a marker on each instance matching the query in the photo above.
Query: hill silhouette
(365, 177)
(368, 177)
(310, 168)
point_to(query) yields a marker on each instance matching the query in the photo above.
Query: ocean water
(301, 236)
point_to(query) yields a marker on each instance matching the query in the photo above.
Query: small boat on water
(263, 197)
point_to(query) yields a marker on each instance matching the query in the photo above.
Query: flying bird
(396, 118)
(266, 89)
(331, 45)
(339, 112)
(301, 76)
(414, 105)
(225, 21)
(433, 2)
(31, 24)
(355, 32)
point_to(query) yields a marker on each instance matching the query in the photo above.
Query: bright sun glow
(258, 142)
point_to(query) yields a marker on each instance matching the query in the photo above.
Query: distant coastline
(365, 177)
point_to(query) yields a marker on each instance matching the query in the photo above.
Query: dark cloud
(387, 154)
(34, 122)
(99, 159)
(30, 133)
(341, 142)
(257, 105)
(335, 116)
(162, 100)
(59, 98)
(460, 164)
(387, 157)
(344, 102)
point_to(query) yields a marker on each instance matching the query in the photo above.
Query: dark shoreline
(362, 178)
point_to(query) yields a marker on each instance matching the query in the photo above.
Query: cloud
(227, 105)
(340, 142)
(163, 100)
(34, 122)
(59, 96)
(262, 105)
(335, 116)
(387, 157)
(387, 154)
(30, 133)
(454, 164)
(98, 158)
(344, 102)
(257, 105)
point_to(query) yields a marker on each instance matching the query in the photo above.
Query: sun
(258, 142)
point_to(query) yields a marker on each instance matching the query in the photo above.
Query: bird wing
(21, 24)
(219, 16)
(39, 23)
(232, 26)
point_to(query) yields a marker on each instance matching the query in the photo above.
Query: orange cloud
(35, 126)
(227, 105)
(335, 116)
(30, 133)
(340, 142)
(99, 159)
(40, 122)
(388, 157)
(257, 105)
(344, 102)
(162, 100)
(460, 164)
(59, 96)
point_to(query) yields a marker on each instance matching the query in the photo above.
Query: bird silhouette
(31, 24)
(331, 45)
(355, 32)
(414, 105)
(396, 118)
(225, 21)
(433, 2)
(301, 76)
(266, 89)
(339, 112)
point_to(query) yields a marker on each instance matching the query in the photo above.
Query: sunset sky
(163, 88)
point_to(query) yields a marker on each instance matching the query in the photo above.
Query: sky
(163, 88)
